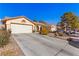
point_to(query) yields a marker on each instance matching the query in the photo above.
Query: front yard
(8, 47)
(65, 37)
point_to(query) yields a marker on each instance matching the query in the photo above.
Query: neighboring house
(53, 28)
(19, 25)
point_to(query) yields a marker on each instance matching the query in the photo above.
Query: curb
(21, 47)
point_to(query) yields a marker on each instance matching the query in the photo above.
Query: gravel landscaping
(10, 49)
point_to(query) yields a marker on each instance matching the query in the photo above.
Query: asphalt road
(34, 44)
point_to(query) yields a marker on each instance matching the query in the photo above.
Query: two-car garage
(21, 28)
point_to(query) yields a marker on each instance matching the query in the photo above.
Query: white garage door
(20, 28)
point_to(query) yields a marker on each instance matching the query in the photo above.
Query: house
(22, 24)
(53, 28)
(19, 25)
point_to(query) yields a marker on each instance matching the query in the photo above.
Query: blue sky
(49, 12)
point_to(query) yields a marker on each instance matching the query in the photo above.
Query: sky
(48, 12)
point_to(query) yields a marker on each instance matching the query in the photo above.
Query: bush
(43, 30)
(4, 37)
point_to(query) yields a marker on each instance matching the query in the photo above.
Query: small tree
(69, 20)
(42, 21)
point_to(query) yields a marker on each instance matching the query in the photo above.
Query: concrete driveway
(34, 44)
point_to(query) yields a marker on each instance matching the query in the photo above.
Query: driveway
(34, 44)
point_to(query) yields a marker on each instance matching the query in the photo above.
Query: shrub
(44, 30)
(4, 37)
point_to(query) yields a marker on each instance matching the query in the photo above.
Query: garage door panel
(17, 28)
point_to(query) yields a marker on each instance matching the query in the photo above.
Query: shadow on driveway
(73, 43)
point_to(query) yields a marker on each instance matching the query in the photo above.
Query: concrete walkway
(34, 44)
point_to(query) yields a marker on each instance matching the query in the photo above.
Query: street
(34, 44)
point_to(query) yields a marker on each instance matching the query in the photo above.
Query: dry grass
(8, 53)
